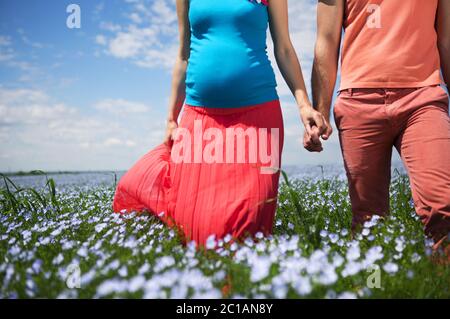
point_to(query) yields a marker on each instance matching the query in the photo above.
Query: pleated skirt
(198, 187)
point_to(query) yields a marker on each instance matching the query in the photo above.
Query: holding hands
(316, 127)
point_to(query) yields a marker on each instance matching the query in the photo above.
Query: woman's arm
(289, 66)
(443, 30)
(178, 92)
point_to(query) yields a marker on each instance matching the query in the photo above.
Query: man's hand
(314, 119)
(170, 129)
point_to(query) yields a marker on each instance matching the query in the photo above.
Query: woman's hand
(308, 143)
(170, 130)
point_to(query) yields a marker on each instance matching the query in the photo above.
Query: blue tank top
(228, 64)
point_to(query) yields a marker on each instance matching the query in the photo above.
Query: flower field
(63, 241)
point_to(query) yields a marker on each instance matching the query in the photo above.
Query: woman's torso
(228, 64)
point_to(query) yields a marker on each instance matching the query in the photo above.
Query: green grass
(310, 255)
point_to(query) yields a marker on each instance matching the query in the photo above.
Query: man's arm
(443, 30)
(330, 15)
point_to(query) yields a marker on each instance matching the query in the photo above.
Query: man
(389, 96)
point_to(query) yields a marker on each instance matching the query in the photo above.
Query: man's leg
(366, 143)
(424, 146)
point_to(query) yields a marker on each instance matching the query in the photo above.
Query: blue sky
(95, 98)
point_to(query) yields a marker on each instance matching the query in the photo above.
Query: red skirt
(219, 177)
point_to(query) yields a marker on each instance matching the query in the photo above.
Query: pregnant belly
(213, 74)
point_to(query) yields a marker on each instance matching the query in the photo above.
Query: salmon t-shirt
(390, 44)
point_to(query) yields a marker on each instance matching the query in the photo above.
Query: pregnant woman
(217, 171)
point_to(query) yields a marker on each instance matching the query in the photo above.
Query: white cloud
(133, 42)
(101, 39)
(29, 42)
(113, 141)
(108, 26)
(121, 106)
(4, 41)
(6, 50)
(24, 106)
(148, 39)
(135, 17)
(98, 9)
(10, 58)
(39, 132)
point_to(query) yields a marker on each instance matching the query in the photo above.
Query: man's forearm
(443, 33)
(330, 14)
(444, 52)
(324, 79)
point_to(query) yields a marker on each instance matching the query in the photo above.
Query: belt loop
(350, 91)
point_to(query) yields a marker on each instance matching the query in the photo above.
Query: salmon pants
(416, 122)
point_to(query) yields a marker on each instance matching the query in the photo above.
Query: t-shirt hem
(387, 85)
(242, 103)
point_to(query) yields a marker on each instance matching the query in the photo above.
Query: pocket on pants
(337, 111)
(444, 92)
(443, 97)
